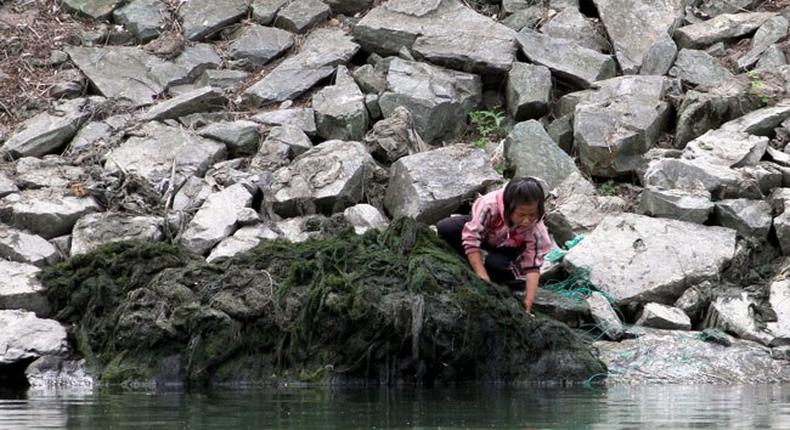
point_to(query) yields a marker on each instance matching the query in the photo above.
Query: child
(508, 223)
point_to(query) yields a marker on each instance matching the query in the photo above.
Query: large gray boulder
(364, 217)
(242, 240)
(751, 218)
(720, 28)
(49, 171)
(691, 206)
(573, 25)
(48, 131)
(25, 336)
(327, 178)
(779, 298)
(96, 9)
(665, 317)
(617, 123)
(17, 245)
(323, 49)
(133, 74)
(145, 19)
(217, 218)
(772, 31)
(623, 251)
(699, 68)
(21, 289)
(568, 60)
(259, 44)
(695, 175)
(431, 185)
(199, 100)
(264, 11)
(438, 98)
(340, 111)
(471, 41)
(299, 16)
(394, 137)
(201, 18)
(634, 27)
(760, 122)
(97, 229)
(241, 136)
(530, 151)
(46, 212)
(573, 214)
(160, 148)
(604, 316)
(734, 314)
(682, 357)
(726, 148)
(659, 57)
(528, 91)
(304, 118)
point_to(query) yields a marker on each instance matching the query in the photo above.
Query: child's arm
(476, 261)
(538, 244)
(530, 288)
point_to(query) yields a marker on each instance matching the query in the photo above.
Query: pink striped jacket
(488, 224)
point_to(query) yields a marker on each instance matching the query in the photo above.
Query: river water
(616, 407)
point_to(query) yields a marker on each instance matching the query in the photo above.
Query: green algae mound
(395, 306)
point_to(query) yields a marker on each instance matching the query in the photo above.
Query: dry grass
(774, 5)
(29, 31)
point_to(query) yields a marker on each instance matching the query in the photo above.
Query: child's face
(525, 214)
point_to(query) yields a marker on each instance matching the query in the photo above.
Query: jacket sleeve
(476, 229)
(538, 244)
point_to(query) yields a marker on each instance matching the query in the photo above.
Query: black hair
(521, 191)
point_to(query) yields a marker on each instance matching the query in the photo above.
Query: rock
(772, 57)
(51, 171)
(736, 315)
(695, 300)
(95, 230)
(530, 151)
(714, 8)
(52, 371)
(300, 229)
(304, 118)
(153, 153)
(241, 137)
(71, 85)
(45, 212)
(242, 240)
(604, 316)
(696, 175)
(47, 132)
(473, 42)
(557, 306)
(217, 219)
(394, 137)
(760, 122)
(782, 226)
(281, 145)
(680, 357)
(577, 64)
(327, 178)
(372, 105)
(659, 57)
(766, 175)
(16, 245)
(365, 217)
(144, 18)
(773, 30)
(191, 195)
(681, 205)
(751, 218)
(25, 336)
(316, 60)
(635, 26)
(340, 111)
(617, 123)
(133, 74)
(623, 249)
(370, 79)
(528, 91)
(572, 25)
(96, 136)
(199, 100)
(579, 214)
(299, 16)
(348, 7)
(431, 185)
(726, 148)
(779, 298)
(720, 28)
(530, 17)
(96, 9)
(202, 18)
(260, 45)
(225, 79)
(264, 11)
(21, 289)
(439, 99)
(561, 131)
(664, 317)
(7, 185)
(699, 68)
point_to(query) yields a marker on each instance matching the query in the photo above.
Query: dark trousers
(498, 260)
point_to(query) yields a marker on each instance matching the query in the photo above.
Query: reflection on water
(619, 407)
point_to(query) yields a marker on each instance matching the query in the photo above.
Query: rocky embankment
(204, 131)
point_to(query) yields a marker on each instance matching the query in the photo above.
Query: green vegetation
(487, 126)
(757, 88)
(390, 306)
(608, 188)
